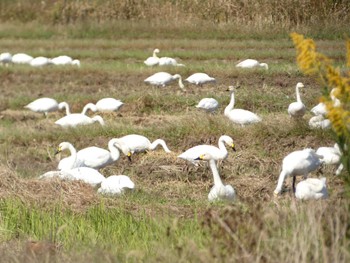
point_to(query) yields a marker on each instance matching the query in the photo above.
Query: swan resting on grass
(105, 104)
(166, 61)
(154, 60)
(297, 109)
(21, 58)
(239, 116)
(115, 185)
(163, 79)
(298, 163)
(252, 63)
(65, 60)
(332, 156)
(311, 188)
(319, 122)
(46, 105)
(76, 119)
(216, 153)
(200, 79)
(208, 104)
(40, 62)
(219, 191)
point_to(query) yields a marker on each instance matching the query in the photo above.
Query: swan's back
(43, 105)
(74, 119)
(94, 157)
(200, 78)
(193, 153)
(87, 175)
(311, 188)
(115, 185)
(136, 142)
(208, 104)
(301, 162)
(159, 78)
(248, 63)
(331, 155)
(21, 58)
(109, 104)
(243, 117)
(62, 60)
(319, 109)
(40, 62)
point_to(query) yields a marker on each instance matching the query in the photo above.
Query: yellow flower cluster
(312, 62)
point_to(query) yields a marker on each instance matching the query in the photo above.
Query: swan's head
(76, 62)
(156, 50)
(228, 140)
(300, 85)
(264, 65)
(89, 106)
(63, 105)
(204, 157)
(98, 119)
(62, 146)
(123, 147)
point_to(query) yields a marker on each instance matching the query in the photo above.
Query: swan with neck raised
(46, 105)
(298, 163)
(252, 63)
(217, 153)
(163, 79)
(76, 119)
(297, 109)
(115, 185)
(219, 191)
(239, 116)
(154, 60)
(105, 104)
(332, 156)
(311, 188)
(200, 79)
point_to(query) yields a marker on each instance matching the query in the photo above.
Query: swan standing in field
(75, 119)
(5, 58)
(163, 79)
(298, 163)
(46, 105)
(251, 63)
(332, 156)
(297, 109)
(166, 61)
(106, 104)
(200, 79)
(65, 60)
(115, 185)
(40, 62)
(319, 122)
(311, 188)
(208, 104)
(217, 153)
(219, 191)
(154, 60)
(134, 143)
(21, 58)
(239, 116)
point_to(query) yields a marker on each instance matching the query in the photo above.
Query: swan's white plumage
(75, 119)
(40, 62)
(46, 105)
(154, 60)
(5, 58)
(166, 61)
(251, 63)
(319, 122)
(115, 185)
(319, 109)
(297, 109)
(298, 163)
(65, 60)
(208, 104)
(200, 79)
(21, 58)
(163, 79)
(311, 188)
(239, 116)
(105, 104)
(331, 156)
(217, 153)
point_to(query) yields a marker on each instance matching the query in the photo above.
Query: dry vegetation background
(167, 218)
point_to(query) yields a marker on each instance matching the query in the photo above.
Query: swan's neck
(222, 148)
(64, 105)
(87, 107)
(280, 182)
(230, 106)
(155, 54)
(98, 119)
(216, 176)
(298, 94)
(159, 142)
(73, 157)
(115, 154)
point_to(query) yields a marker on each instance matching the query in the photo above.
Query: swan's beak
(233, 147)
(275, 194)
(58, 150)
(199, 158)
(129, 156)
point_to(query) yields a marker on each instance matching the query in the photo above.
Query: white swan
(298, 163)
(321, 109)
(133, 143)
(106, 104)
(75, 119)
(115, 185)
(46, 105)
(319, 122)
(239, 116)
(332, 156)
(208, 104)
(163, 79)
(166, 61)
(154, 60)
(21, 58)
(215, 152)
(219, 191)
(251, 63)
(297, 109)
(200, 79)
(70, 162)
(311, 188)
(65, 60)
(5, 58)
(40, 62)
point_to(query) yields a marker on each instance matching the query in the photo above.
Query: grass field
(167, 218)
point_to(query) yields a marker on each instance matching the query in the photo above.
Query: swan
(133, 143)
(219, 191)
(239, 116)
(115, 185)
(251, 63)
(40, 62)
(215, 152)
(311, 188)
(200, 79)
(21, 58)
(297, 109)
(298, 163)
(319, 122)
(321, 109)
(5, 58)
(46, 105)
(106, 104)
(166, 61)
(332, 156)
(65, 60)
(154, 60)
(75, 119)
(208, 104)
(163, 79)
(70, 162)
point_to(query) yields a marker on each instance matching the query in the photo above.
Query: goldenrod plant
(335, 83)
